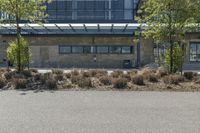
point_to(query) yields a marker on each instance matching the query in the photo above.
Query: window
(102, 50)
(77, 49)
(115, 50)
(64, 49)
(127, 50)
(89, 49)
(195, 52)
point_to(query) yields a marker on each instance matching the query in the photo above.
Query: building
(83, 33)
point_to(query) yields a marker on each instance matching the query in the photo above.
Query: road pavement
(99, 112)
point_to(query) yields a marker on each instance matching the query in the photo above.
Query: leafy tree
(177, 58)
(25, 54)
(169, 20)
(22, 10)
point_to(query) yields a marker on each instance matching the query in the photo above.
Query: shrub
(51, 84)
(98, 73)
(105, 80)
(37, 76)
(59, 77)
(75, 79)
(153, 78)
(120, 83)
(189, 75)
(161, 72)
(116, 74)
(126, 76)
(57, 71)
(85, 83)
(2, 82)
(138, 80)
(25, 53)
(68, 75)
(20, 83)
(75, 73)
(9, 75)
(86, 74)
(173, 79)
(27, 73)
(146, 72)
(177, 61)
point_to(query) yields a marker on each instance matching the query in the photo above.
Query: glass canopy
(71, 28)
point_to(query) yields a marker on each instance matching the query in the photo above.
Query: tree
(22, 10)
(12, 52)
(169, 20)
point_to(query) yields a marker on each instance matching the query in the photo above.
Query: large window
(95, 49)
(195, 52)
(64, 49)
(77, 49)
(115, 49)
(102, 49)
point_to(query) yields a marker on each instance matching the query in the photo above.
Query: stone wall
(45, 51)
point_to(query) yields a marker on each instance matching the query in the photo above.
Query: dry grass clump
(153, 78)
(75, 73)
(86, 74)
(173, 79)
(138, 80)
(161, 72)
(20, 83)
(147, 72)
(9, 75)
(85, 83)
(120, 83)
(75, 79)
(68, 75)
(37, 76)
(59, 77)
(126, 76)
(98, 73)
(2, 82)
(116, 74)
(57, 71)
(51, 84)
(105, 80)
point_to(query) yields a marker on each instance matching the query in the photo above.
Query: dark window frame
(196, 45)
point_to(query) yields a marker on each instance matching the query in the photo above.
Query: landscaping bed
(141, 80)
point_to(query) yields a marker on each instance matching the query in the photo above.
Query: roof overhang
(71, 28)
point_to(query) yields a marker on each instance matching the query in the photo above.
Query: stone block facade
(45, 51)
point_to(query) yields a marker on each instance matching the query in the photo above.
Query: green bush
(177, 58)
(13, 56)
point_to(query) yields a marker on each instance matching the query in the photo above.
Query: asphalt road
(99, 112)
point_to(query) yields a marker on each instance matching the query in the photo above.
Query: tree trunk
(171, 53)
(19, 68)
